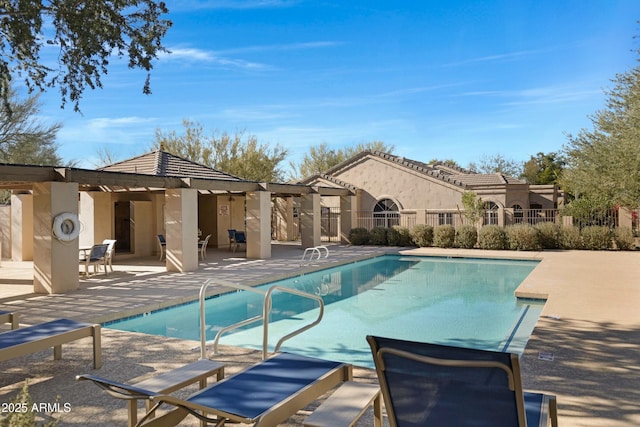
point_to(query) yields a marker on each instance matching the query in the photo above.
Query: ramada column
(55, 262)
(259, 225)
(181, 224)
(310, 216)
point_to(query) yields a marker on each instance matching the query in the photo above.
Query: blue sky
(437, 79)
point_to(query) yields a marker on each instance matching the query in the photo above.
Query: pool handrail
(266, 310)
(316, 250)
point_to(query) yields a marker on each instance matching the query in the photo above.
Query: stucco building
(394, 190)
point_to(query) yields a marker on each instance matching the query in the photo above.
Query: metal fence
(456, 218)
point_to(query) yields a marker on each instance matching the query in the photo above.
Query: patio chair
(232, 237)
(162, 244)
(96, 257)
(31, 339)
(111, 249)
(436, 385)
(265, 395)
(240, 239)
(202, 247)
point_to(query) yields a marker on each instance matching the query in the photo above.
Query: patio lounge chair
(265, 394)
(96, 257)
(436, 385)
(31, 339)
(9, 317)
(166, 382)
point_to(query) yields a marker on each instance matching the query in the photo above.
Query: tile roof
(448, 173)
(162, 163)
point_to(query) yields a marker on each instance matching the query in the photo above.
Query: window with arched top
(386, 213)
(490, 213)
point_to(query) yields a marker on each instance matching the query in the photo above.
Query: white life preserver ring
(66, 226)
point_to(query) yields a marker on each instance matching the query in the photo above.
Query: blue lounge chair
(265, 394)
(436, 385)
(9, 317)
(19, 342)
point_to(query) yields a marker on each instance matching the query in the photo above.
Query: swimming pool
(463, 302)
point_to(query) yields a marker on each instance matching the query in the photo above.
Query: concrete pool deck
(585, 348)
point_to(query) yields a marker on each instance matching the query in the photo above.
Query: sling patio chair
(164, 383)
(111, 249)
(240, 239)
(162, 245)
(202, 247)
(96, 257)
(436, 385)
(264, 395)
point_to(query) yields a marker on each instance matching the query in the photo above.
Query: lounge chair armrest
(116, 389)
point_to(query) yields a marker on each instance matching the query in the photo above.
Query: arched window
(490, 213)
(386, 214)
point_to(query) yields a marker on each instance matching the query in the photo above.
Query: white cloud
(200, 55)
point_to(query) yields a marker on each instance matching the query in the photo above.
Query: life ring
(66, 226)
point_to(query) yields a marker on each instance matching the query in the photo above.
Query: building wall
(381, 179)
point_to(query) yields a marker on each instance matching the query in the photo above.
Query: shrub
(466, 237)
(492, 237)
(548, 235)
(26, 417)
(378, 236)
(359, 236)
(596, 237)
(422, 235)
(570, 238)
(523, 237)
(623, 237)
(444, 236)
(392, 236)
(399, 236)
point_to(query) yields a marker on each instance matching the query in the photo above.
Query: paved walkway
(590, 326)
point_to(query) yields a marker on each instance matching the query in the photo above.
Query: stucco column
(259, 225)
(21, 227)
(55, 262)
(347, 217)
(310, 216)
(181, 224)
(625, 218)
(96, 217)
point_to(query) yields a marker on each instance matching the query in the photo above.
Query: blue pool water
(463, 302)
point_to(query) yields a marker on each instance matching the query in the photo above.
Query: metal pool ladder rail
(266, 311)
(317, 251)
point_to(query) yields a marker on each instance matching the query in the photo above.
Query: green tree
(87, 34)
(474, 207)
(237, 154)
(23, 137)
(604, 163)
(543, 169)
(321, 158)
(496, 163)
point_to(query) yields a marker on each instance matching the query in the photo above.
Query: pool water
(462, 302)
